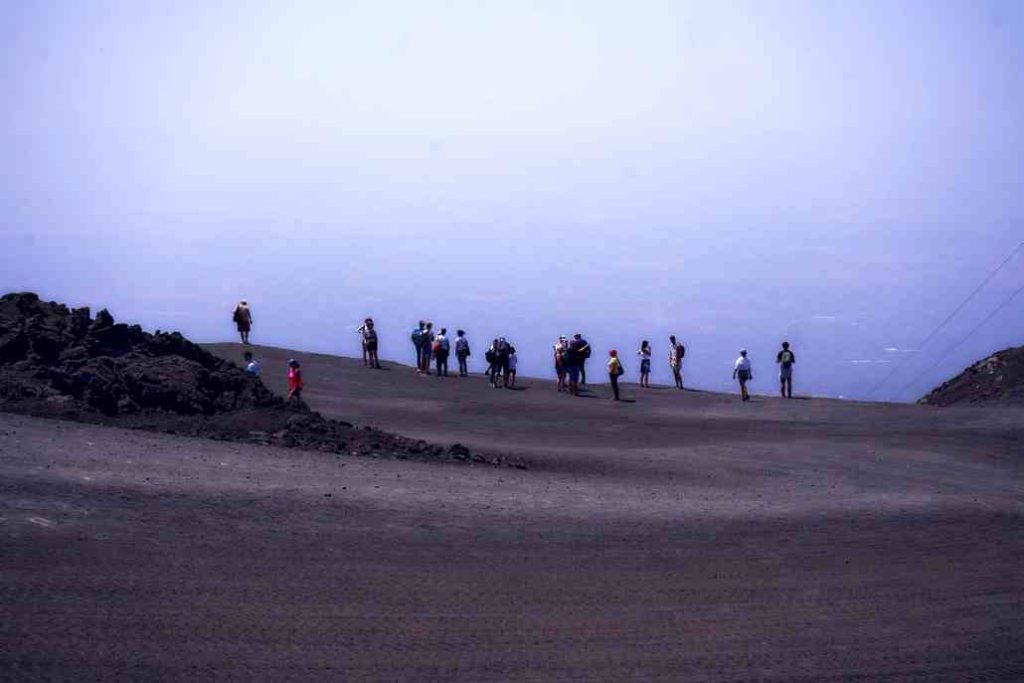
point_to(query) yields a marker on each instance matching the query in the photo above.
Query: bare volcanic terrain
(680, 536)
(999, 378)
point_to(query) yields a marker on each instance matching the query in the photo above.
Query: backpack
(620, 370)
(436, 346)
(681, 350)
(489, 356)
(417, 336)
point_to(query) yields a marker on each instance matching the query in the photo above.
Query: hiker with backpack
(584, 354)
(502, 352)
(440, 348)
(561, 347)
(417, 342)
(786, 360)
(645, 363)
(743, 371)
(615, 370)
(573, 357)
(491, 357)
(675, 360)
(462, 352)
(428, 347)
(242, 317)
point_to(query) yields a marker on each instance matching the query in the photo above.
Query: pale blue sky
(841, 174)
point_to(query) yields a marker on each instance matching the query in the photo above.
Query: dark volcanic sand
(686, 536)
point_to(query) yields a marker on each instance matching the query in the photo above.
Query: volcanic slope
(998, 378)
(686, 536)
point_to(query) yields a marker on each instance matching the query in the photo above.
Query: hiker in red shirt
(294, 380)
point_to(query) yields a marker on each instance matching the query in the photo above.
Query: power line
(949, 317)
(938, 360)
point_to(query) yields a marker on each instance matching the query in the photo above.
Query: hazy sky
(839, 174)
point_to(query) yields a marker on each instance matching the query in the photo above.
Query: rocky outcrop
(996, 379)
(60, 362)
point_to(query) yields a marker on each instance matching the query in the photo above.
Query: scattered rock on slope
(60, 362)
(996, 379)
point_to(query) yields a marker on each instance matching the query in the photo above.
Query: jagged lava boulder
(48, 349)
(999, 378)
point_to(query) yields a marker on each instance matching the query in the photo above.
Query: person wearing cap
(615, 369)
(742, 370)
(294, 380)
(243, 319)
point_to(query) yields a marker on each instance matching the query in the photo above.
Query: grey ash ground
(685, 536)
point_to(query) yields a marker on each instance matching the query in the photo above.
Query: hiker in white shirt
(742, 371)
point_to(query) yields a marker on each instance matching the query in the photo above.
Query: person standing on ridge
(441, 349)
(417, 342)
(369, 336)
(744, 372)
(561, 348)
(502, 351)
(584, 352)
(513, 361)
(615, 370)
(294, 381)
(425, 348)
(573, 356)
(645, 363)
(491, 357)
(462, 352)
(243, 320)
(786, 360)
(676, 352)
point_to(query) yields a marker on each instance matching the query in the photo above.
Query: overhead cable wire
(1006, 302)
(949, 317)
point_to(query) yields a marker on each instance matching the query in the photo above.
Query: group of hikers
(570, 358)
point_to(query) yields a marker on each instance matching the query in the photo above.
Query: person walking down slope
(786, 360)
(441, 349)
(369, 336)
(743, 371)
(645, 363)
(462, 352)
(243, 320)
(417, 343)
(294, 381)
(676, 352)
(615, 370)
